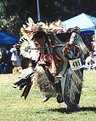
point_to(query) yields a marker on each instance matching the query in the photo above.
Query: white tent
(83, 21)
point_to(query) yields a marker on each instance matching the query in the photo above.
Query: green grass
(15, 108)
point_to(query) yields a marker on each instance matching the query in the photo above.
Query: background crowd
(9, 58)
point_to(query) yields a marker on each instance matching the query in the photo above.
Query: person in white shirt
(90, 62)
(15, 57)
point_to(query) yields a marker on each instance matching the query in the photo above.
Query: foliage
(11, 25)
(50, 10)
(14, 108)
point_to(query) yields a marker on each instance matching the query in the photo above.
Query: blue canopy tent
(83, 21)
(8, 39)
(87, 32)
(86, 23)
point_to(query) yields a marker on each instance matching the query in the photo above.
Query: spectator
(15, 58)
(0, 55)
(90, 62)
(1, 64)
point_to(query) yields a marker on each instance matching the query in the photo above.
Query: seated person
(90, 62)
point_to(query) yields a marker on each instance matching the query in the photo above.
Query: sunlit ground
(15, 108)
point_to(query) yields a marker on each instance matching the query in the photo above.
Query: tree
(13, 13)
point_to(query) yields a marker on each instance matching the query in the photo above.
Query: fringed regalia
(61, 63)
(71, 54)
(45, 69)
(42, 81)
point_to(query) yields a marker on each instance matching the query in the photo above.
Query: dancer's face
(40, 41)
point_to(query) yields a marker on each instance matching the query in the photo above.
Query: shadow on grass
(64, 110)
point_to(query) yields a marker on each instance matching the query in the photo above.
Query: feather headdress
(32, 28)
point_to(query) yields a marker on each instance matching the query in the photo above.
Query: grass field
(15, 108)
